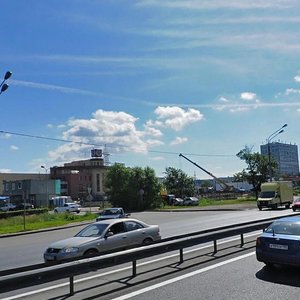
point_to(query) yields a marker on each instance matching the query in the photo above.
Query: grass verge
(46, 220)
(204, 202)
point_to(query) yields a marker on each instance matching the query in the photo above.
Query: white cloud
(154, 143)
(223, 99)
(115, 129)
(5, 135)
(6, 171)
(217, 4)
(297, 78)
(157, 158)
(14, 148)
(179, 140)
(248, 96)
(291, 91)
(177, 118)
(151, 131)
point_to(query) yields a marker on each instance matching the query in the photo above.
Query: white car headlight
(70, 250)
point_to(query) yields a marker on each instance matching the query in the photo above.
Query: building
(286, 156)
(83, 179)
(34, 191)
(20, 176)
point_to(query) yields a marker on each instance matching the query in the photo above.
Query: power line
(107, 145)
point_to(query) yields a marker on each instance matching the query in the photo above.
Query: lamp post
(46, 171)
(4, 86)
(269, 139)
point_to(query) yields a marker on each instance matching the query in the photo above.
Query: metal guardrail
(38, 274)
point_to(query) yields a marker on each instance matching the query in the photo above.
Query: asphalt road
(233, 273)
(28, 249)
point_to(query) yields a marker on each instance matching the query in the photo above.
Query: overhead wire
(107, 145)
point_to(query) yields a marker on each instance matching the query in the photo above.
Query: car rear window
(289, 228)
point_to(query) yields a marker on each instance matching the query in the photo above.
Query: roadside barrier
(37, 274)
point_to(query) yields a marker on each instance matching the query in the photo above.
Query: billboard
(96, 152)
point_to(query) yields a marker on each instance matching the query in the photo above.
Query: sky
(147, 79)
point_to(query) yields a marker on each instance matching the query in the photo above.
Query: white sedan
(68, 207)
(102, 237)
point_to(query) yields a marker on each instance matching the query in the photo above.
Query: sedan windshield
(288, 228)
(111, 212)
(92, 230)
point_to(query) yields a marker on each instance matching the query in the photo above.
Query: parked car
(112, 213)
(296, 204)
(190, 201)
(102, 237)
(68, 207)
(280, 243)
(8, 207)
(21, 206)
(177, 201)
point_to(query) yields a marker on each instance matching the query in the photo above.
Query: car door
(136, 233)
(115, 237)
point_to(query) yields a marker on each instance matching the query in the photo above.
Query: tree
(257, 170)
(178, 183)
(133, 188)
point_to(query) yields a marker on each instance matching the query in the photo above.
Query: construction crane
(223, 184)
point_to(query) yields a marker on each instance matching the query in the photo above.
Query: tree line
(138, 188)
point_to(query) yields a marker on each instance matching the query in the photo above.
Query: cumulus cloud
(248, 96)
(223, 99)
(297, 78)
(14, 148)
(115, 129)
(179, 140)
(177, 118)
(119, 132)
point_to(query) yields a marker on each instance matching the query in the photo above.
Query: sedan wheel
(90, 253)
(147, 241)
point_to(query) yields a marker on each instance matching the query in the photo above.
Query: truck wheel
(287, 205)
(259, 207)
(294, 209)
(274, 206)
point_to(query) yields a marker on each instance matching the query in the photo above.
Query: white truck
(275, 194)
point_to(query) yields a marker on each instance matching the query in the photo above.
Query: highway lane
(239, 278)
(233, 273)
(28, 249)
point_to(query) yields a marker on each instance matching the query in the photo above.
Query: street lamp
(46, 171)
(269, 139)
(4, 86)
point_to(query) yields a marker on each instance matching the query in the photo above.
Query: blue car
(280, 243)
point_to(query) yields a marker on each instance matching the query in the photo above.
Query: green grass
(213, 202)
(46, 220)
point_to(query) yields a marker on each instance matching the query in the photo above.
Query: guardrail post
(71, 285)
(181, 255)
(133, 268)
(215, 246)
(242, 240)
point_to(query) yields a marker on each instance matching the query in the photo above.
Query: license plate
(278, 246)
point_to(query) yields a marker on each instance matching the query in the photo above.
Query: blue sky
(148, 78)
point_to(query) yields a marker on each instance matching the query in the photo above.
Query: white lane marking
(158, 285)
(120, 270)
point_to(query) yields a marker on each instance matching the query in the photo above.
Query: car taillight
(258, 241)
